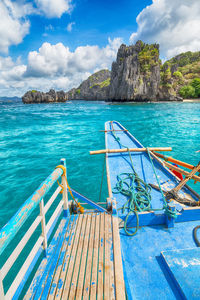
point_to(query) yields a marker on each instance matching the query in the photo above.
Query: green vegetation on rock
(187, 91)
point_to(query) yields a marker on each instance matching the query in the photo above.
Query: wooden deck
(83, 261)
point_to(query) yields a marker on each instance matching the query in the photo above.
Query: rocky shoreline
(137, 75)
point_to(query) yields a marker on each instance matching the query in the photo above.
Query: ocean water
(33, 139)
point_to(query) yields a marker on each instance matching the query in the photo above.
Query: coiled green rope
(137, 192)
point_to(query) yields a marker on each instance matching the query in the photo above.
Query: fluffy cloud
(13, 26)
(55, 66)
(57, 60)
(54, 8)
(175, 25)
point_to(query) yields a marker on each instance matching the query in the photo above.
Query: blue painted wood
(51, 263)
(35, 259)
(11, 228)
(90, 202)
(144, 273)
(184, 267)
(120, 163)
(50, 253)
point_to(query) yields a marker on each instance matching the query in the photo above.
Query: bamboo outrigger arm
(176, 161)
(195, 177)
(130, 150)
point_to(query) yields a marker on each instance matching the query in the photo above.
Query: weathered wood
(53, 217)
(100, 290)
(79, 289)
(185, 180)
(93, 288)
(119, 279)
(195, 177)
(12, 227)
(103, 151)
(66, 261)
(113, 130)
(2, 295)
(12, 258)
(176, 161)
(78, 259)
(64, 184)
(50, 253)
(86, 288)
(63, 253)
(23, 269)
(107, 259)
(52, 199)
(111, 275)
(43, 224)
(72, 261)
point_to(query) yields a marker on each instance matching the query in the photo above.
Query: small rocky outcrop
(96, 87)
(40, 97)
(135, 75)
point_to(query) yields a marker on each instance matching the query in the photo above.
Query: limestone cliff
(40, 97)
(135, 75)
(96, 87)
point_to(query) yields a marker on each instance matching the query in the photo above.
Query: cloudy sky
(58, 43)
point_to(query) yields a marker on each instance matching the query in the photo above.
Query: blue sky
(58, 43)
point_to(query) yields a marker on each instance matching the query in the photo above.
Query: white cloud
(54, 60)
(174, 24)
(69, 26)
(13, 26)
(55, 66)
(54, 8)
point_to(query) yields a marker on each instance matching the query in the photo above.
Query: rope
(168, 211)
(137, 191)
(81, 209)
(102, 178)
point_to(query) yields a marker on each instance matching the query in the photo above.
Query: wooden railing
(10, 230)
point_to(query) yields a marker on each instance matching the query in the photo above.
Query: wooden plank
(111, 277)
(100, 290)
(79, 290)
(56, 261)
(64, 252)
(24, 268)
(103, 151)
(52, 199)
(107, 259)
(66, 261)
(185, 180)
(78, 259)
(12, 258)
(72, 259)
(93, 288)
(86, 288)
(195, 177)
(43, 224)
(176, 161)
(40, 271)
(119, 278)
(45, 281)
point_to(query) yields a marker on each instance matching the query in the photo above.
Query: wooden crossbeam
(170, 166)
(103, 151)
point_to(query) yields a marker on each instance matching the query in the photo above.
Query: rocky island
(137, 75)
(40, 97)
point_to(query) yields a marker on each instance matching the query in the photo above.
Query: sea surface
(33, 139)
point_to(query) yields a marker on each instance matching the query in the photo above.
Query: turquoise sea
(33, 139)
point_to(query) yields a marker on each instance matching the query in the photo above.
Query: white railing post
(65, 190)
(43, 223)
(2, 296)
